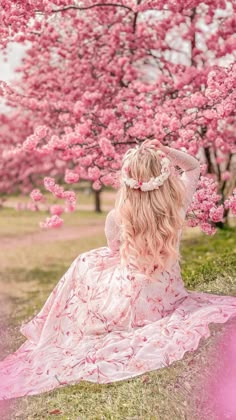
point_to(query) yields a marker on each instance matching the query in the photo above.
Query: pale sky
(15, 53)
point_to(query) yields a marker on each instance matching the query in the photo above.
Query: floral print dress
(104, 322)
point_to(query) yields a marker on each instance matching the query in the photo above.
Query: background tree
(101, 77)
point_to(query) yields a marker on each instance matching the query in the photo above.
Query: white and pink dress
(104, 322)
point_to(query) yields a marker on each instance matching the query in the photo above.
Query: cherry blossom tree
(99, 77)
(25, 173)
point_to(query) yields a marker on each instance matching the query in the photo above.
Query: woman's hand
(157, 144)
(154, 142)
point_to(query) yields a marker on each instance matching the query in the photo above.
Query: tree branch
(193, 41)
(208, 158)
(88, 7)
(227, 169)
(136, 17)
(217, 166)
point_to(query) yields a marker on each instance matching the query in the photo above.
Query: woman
(122, 310)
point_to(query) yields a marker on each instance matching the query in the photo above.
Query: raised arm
(112, 231)
(191, 168)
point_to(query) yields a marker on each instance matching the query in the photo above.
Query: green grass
(30, 273)
(210, 261)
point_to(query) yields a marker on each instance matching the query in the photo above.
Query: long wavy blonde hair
(150, 221)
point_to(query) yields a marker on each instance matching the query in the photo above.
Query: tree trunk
(97, 202)
(220, 225)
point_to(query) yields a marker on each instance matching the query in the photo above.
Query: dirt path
(60, 234)
(64, 233)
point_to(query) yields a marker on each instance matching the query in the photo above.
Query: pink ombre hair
(150, 221)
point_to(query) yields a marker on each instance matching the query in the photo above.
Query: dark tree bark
(97, 201)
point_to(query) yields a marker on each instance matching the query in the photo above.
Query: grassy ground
(28, 274)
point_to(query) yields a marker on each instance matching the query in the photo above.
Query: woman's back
(189, 177)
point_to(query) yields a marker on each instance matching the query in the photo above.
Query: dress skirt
(104, 322)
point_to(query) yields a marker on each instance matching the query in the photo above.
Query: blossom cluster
(36, 195)
(52, 222)
(205, 206)
(96, 81)
(56, 210)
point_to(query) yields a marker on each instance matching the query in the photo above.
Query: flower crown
(153, 183)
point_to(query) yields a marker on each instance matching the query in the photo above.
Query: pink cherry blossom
(56, 209)
(216, 213)
(208, 228)
(97, 185)
(69, 196)
(94, 173)
(219, 386)
(49, 184)
(36, 195)
(52, 222)
(71, 177)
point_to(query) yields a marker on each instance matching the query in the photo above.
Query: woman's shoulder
(112, 217)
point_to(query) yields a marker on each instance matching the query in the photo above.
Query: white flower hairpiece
(153, 183)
